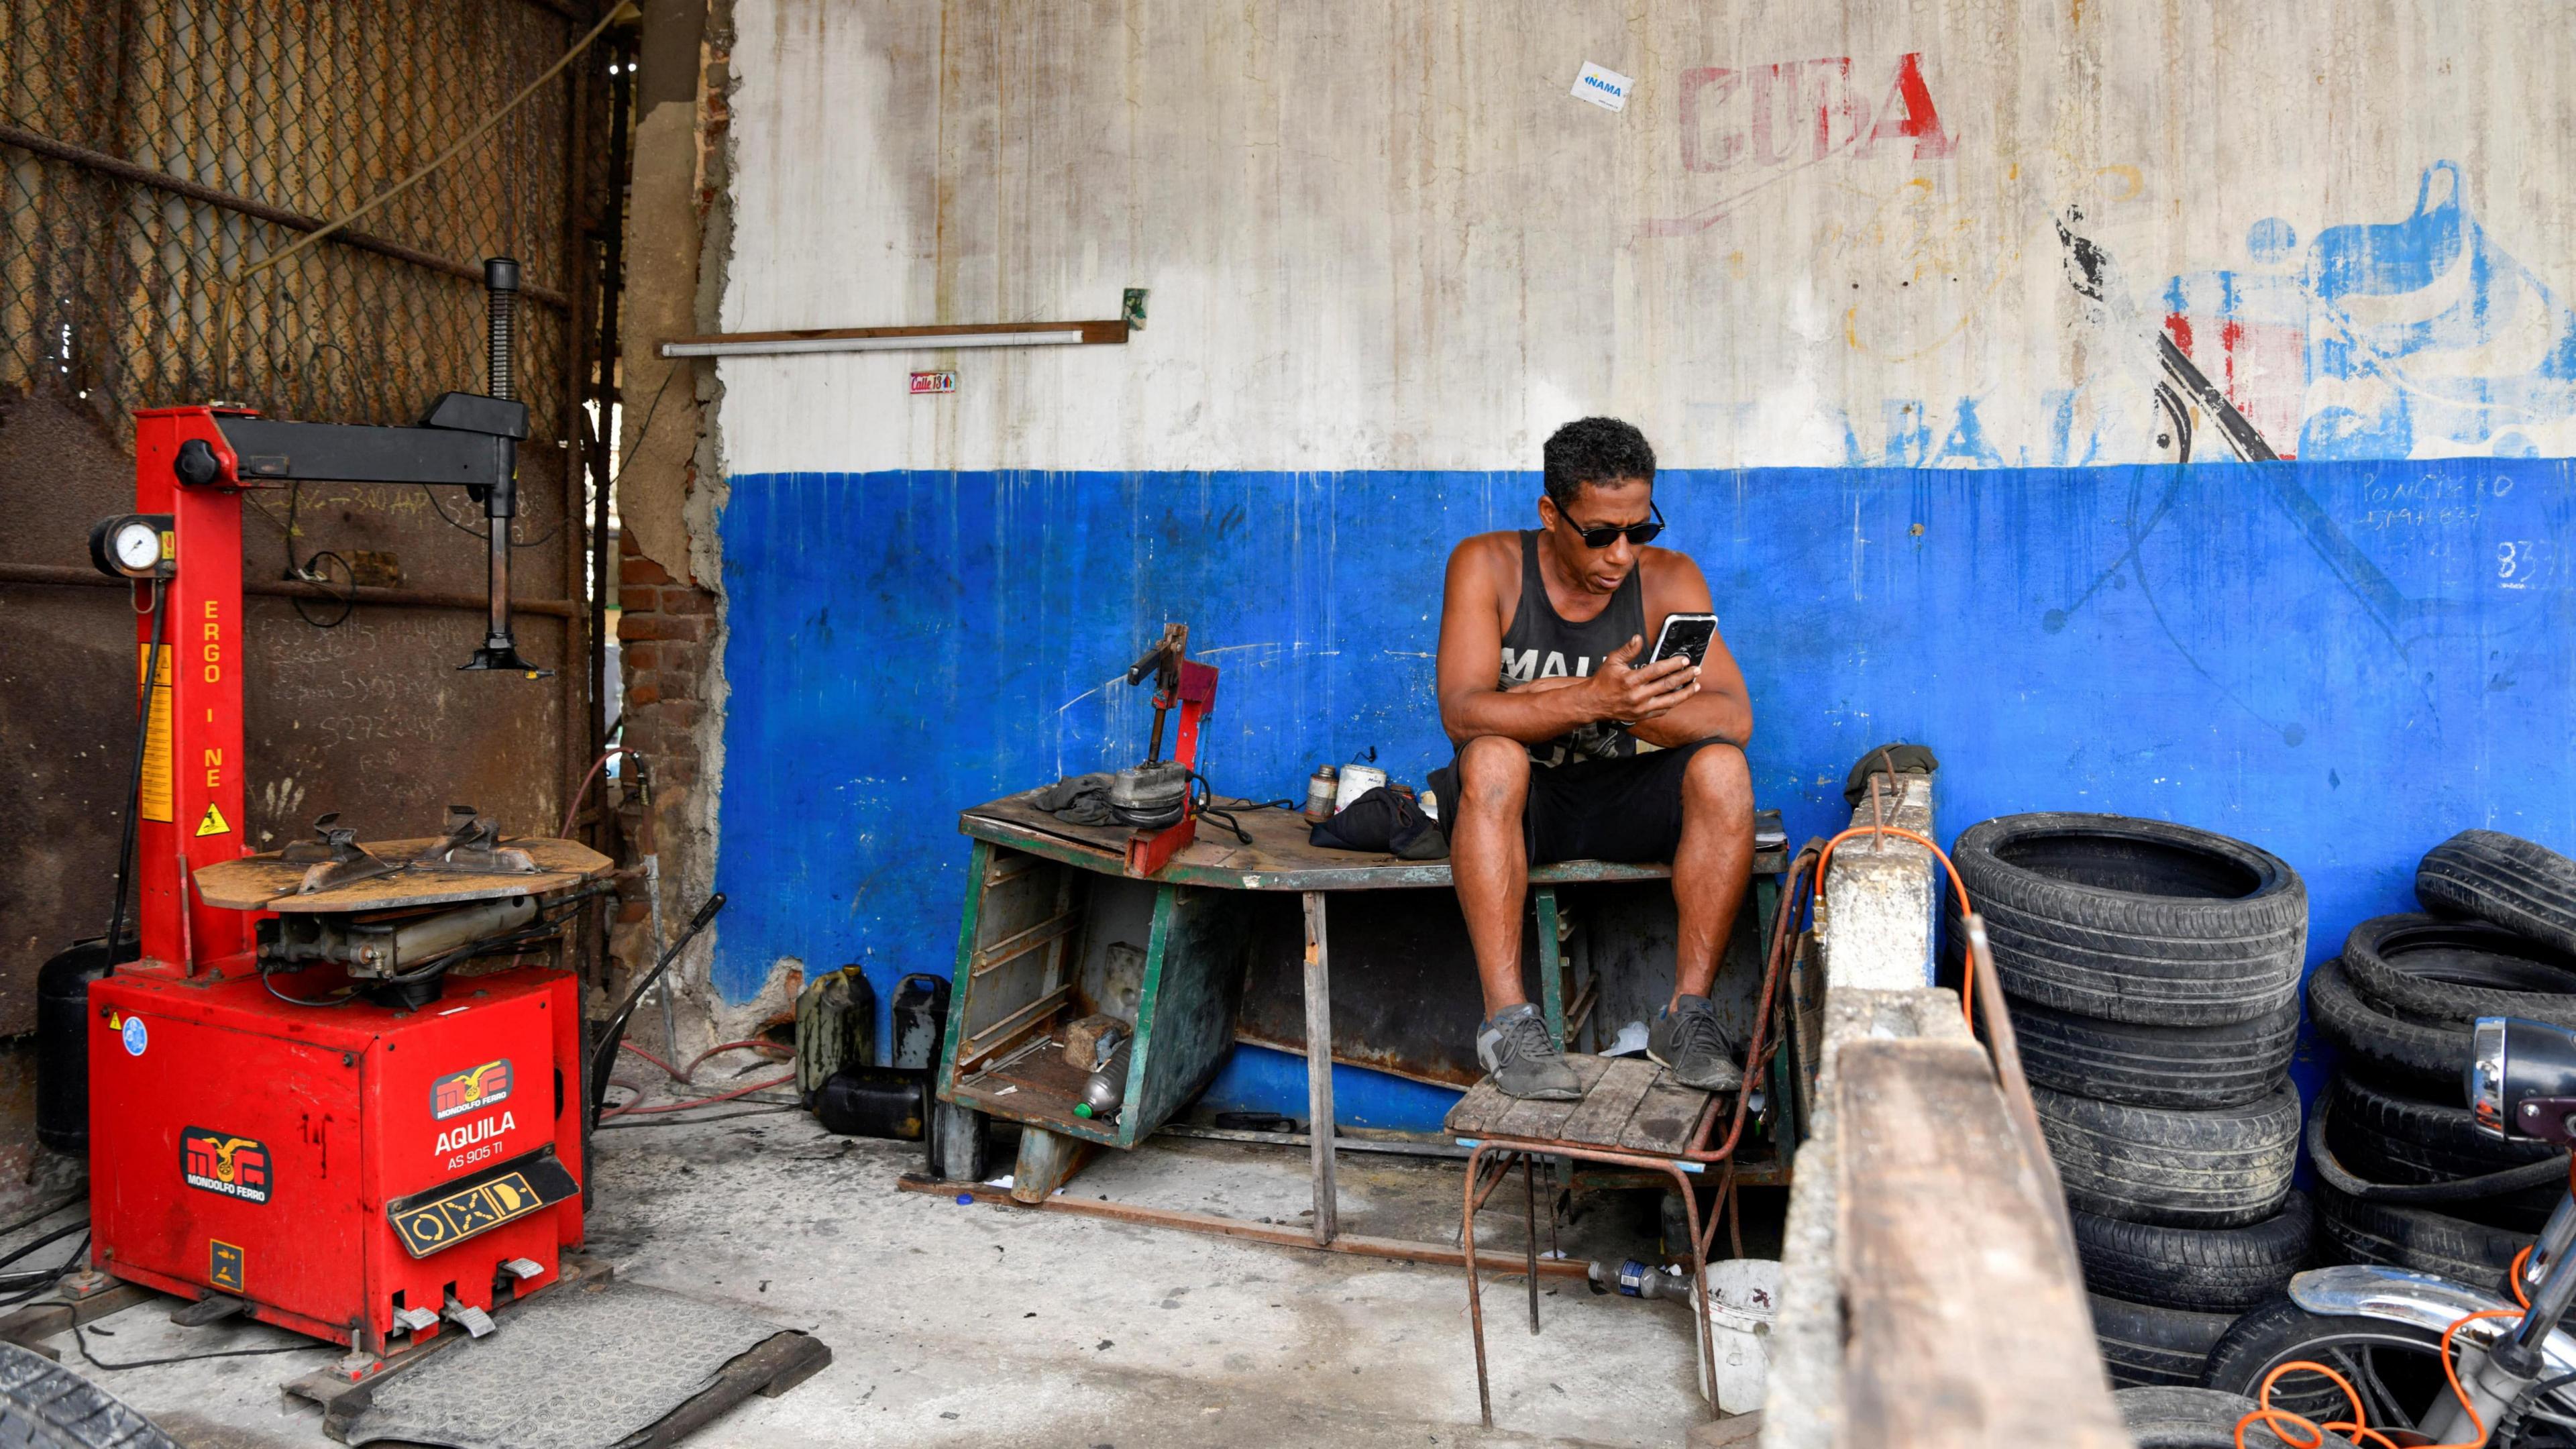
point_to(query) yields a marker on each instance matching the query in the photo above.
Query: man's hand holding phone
(1625, 693)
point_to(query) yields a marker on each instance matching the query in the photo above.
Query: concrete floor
(974, 1325)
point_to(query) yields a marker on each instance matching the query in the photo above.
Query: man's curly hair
(1594, 450)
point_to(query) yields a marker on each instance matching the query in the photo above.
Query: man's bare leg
(1710, 869)
(1712, 864)
(1489, 863)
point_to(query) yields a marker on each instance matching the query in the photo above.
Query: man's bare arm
(1471, 651)
(1721, 708)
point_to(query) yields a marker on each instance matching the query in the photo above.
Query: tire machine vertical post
(395, 1143)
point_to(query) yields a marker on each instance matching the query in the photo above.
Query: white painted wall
(1387, 236)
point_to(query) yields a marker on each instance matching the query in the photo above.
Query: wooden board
(1629, 1103)
(265, 883)
(1280, 857)
(1965, 1320)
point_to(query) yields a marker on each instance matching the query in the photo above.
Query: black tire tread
(2212, 1169)
(2226, 1270)
(2145, 1345)
(2399, 1236)
(2518, 884)
(44, 1405)
(2169, 1416)
(2425, 1060)
(2184, 1067)
(2125, 956)
(2383, 977)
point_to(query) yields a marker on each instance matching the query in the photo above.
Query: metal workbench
(1045, 935)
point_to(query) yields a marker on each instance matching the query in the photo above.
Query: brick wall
(663, 630)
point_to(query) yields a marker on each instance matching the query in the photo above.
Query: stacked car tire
(2498, 939)
(2153, 971)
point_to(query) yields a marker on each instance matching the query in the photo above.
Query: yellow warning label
(156, 734)
(213, 824)
(224, 1264)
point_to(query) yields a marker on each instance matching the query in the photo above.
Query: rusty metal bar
(124, 170)
(56, 575)
(1356, 1244)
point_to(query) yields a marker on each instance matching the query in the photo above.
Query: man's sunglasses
(1639, 534)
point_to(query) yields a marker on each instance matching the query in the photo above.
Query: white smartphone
(1686, 635)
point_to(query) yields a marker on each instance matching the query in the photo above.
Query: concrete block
(1879, 917)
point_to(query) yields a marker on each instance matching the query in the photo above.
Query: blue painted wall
(2342, 662)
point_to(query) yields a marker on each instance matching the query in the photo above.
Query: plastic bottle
(1107, 1090)
(1644, 1280)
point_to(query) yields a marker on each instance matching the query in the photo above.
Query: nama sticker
(219, 1162)
(134, 1036)
(461, 1092)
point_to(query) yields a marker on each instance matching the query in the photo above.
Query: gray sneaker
(1514, 1046)
(1687, 1041)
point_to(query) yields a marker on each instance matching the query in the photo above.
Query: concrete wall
(1824, 261)
(1388, 237)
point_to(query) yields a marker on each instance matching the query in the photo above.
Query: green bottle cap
(1082, 1109)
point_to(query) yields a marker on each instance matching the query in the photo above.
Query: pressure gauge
(131, 546)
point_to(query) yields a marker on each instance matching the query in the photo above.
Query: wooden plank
(1003, 952)
(1666, 1118)
(1319, 1071)
(1048, 1160)
(1280, 857)
(1602, 1116)
(1965, 1319)
(1357, 1244)
(1002, 1035)
(1542, 1121)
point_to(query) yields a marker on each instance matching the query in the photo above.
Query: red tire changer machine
(329, 1093)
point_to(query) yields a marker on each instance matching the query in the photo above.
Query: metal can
(1357, 780)
(1319, 794)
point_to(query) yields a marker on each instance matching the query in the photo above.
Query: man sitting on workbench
(1572, 750)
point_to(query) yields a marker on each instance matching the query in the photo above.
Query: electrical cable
(645, 429)
(24, 1223)
(79, 1338)
(1208, 809)
(57, 1235)
(468, 529)
(310, 574)
(769, 1111)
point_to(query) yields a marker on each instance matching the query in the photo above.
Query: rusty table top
(265, 883)
(1280, 858)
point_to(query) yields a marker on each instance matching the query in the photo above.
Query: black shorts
(1627, 810)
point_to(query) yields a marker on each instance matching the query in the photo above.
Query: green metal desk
(1039, 941)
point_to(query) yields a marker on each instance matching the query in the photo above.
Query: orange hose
(2282, 1421)
(700, 1102)
(1968, 977)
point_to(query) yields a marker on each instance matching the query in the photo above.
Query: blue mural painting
(2420, 336)
(2342, 662)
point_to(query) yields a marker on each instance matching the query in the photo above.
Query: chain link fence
(148, 148)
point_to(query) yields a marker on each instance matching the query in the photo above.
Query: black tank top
(1541, 643)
